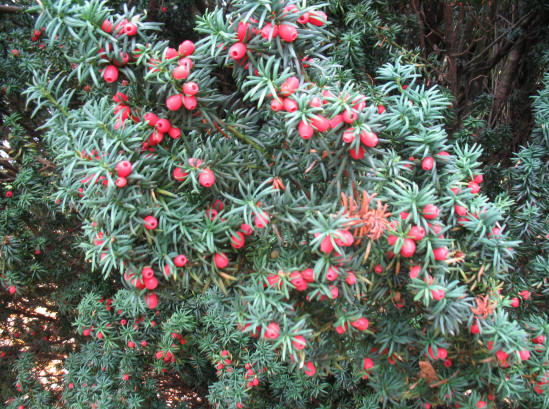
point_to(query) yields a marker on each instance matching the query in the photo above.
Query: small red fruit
(272, 331)
(305, 130)
(515, 302)
(369, 139)
(9, 194)
(12, 289)
(261, 220)
(475, 329)
(150, 222)
(121, 182)
(427, 163)
(310, 369)
(287, 33)
(299, 342)
(408, 248)
(318, 18)
(190, 88)
(430, 212)
(150, 118)
(163, 125)
(130, 29)
(180, 72)
(368, 364)
(438, 294)
(206, 178)
(416, 233)
(189, 102)
(237, 51)
(179, 175)
(186, 48)
(106, 26)
(246, 229)
(110, 74)
(180, 260)
(361, 324)
(124, 168)
(151, 300)
(174, 102)
(237, 240)
(357, 155)
(221, 260)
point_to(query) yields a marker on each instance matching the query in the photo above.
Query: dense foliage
(272, 215)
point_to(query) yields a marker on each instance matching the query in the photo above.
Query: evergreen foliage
(253, 217)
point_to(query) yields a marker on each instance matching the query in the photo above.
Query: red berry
(106, 26)
(336, 120)
(174, 133)
(246, 229)
(150, 118)
(289, 86)
(174, 102)
(151, 300)
(349, 116)
(305, 130)
(310, 369)
(289, 105)
(272, 331)
(326, 245)
(357, 155)
(368, 364)
(320, 123)
(438, 294)
(277, 105)
(269, 31)
(524, 355)
(460, 210)
(332, 274)
(150, 222)
(12, 289)
(349, 135)
(179, 174)
(180, 72)
(110, 74)
(475, 329)
(170, 53)
(427, 163)
(186, 48)
(163, 125)
(287, 33)
(430, 212)
(206, 178)
(261, 220)
(180, 260)
(9, 194)
(361, 324)
(303, 19)
(299, 342)
(121, 182)
(243, 32)
(308, 275)
(416, 233)
(380, 109)
(237, 240)
(318, 18)
(351, 278)
(525, 294)
(478, 179)
(392, 240)
(237, 51)
(474, 187)
(369, 139)
(221, 260)
(189, 102)
(124, 168)
(190, 88)
(130, 29)
(408, 248)
(515, 302)
(150, 283)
